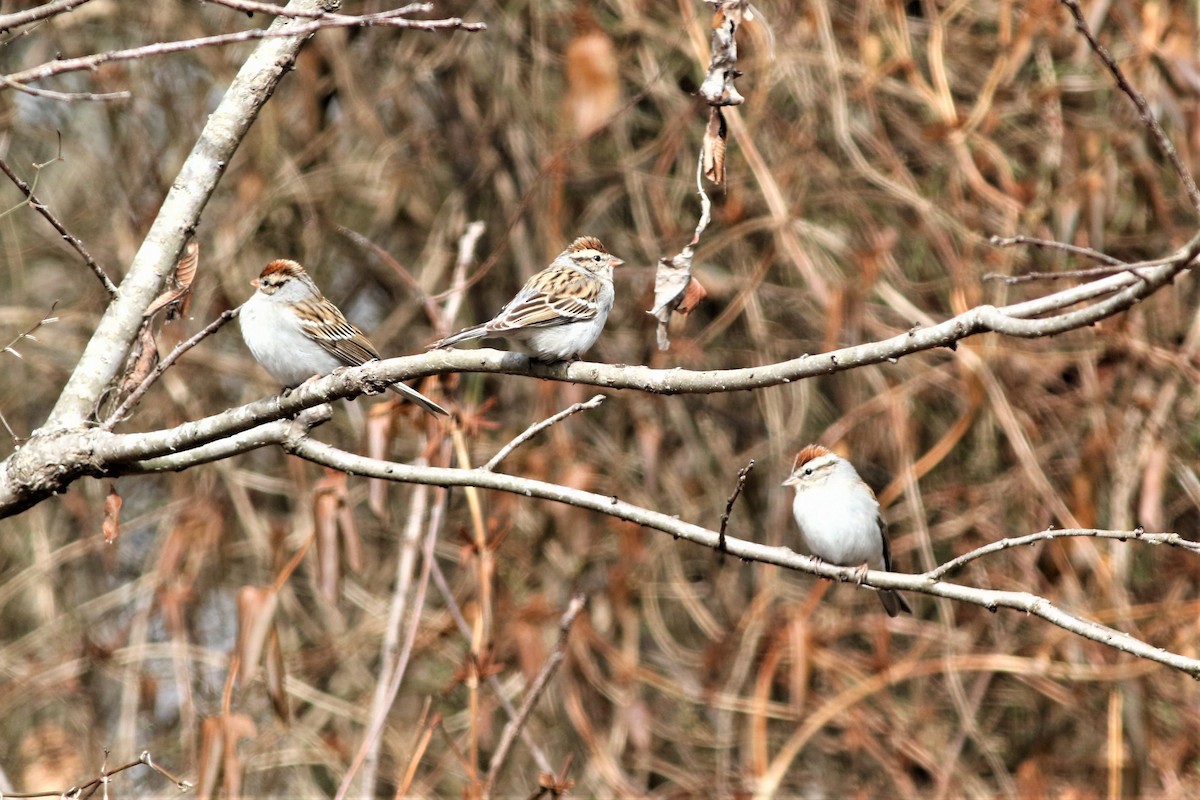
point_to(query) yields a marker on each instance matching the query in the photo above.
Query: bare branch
(538, 427)
(536, 689)
(743, 473)
(42, 209)
(1170, 539)
(28, 333)
(1049, 244)
(66, 97)
(1147, 116)
(178, 215)
(89, 788)
(16, 20)
(990, 599)
(284, 27)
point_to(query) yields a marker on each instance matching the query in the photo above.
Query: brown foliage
(874, 154)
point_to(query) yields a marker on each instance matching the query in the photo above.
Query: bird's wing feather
(326, 325)
(551, 298)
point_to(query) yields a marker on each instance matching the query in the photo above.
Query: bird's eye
(808, 470)
(596, 257)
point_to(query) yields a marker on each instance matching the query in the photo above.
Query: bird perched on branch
(561, 310)
(295, 333)
(839, 517)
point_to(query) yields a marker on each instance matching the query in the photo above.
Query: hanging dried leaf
(692, 296)
(715, 135)
(379, 438)
(275, 675)
(672, 292)
(334, 520)
(255, 623)
(177, 297)
(143, 358)
(112, 516)
(593, 90)
(212, 748)
(327, 498)
(717, 88)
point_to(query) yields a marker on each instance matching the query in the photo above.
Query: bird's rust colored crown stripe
(586, 243)
(808, 453)
(280, 266)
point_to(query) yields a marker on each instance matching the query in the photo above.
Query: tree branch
(990, 599)
(285, 26)
(180, 212)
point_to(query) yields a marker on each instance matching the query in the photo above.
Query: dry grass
(876, 152)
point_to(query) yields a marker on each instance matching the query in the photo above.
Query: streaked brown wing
(555, 299)
(323, 321)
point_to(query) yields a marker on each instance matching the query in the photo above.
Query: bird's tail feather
(412, 394)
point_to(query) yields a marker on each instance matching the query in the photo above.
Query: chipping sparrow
(839, 517)
(561, 310)
(295, 333)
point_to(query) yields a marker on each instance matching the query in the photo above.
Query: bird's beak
(791, 481)
(616, 262)
(254, 283)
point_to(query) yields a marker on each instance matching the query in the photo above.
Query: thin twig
(538, 427)
(41, 208)
(136, 395)
(1147, 116)
(389, 19)
(553, 662)
(464, 629)
(1169, 539)
(87, 789)
(10, 21)
(737, 490)
(459, 283)
(66, 97)
(1050, 244)
(28, 334)
(375, 728)
(431, 309)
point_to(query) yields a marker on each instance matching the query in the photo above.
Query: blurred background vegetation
(880, 145)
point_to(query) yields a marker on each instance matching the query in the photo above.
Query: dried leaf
(325, 518)
(275, 675)
(334, 521)
(255, 623)
(715, 137)
(177, 297)
(692, 295)
(379, 437)
(212, 747)
(671, 291)
(112, 516)
(143, 358)
(593, 89)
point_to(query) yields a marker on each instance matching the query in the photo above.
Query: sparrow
(561, 310)
(295, 333)
(839, 518)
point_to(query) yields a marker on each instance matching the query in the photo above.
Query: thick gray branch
(50, 461)
(180, 212)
